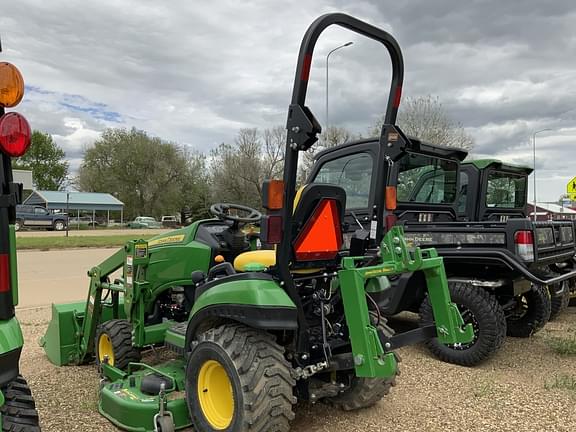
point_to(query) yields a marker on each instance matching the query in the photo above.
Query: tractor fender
(11, 342)
(253, 299)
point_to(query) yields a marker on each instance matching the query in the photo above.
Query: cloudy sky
(195, 72)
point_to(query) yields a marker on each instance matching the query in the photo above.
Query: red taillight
(271, 229)
(15, 134)
(390, 221)
(4, 273)
(524, 241)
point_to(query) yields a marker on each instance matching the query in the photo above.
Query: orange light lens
(11, 85)
(390, 198)
(275, 194)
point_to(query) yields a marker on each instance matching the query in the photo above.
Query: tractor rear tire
(534, 316)
(19, 410)
(479, 308)
(114, 339)
(559, 302)
(237, 379)
(365, 392)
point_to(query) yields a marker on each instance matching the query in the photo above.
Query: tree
(46, 160)
(151, 176)
(239, 170)
(426, 119)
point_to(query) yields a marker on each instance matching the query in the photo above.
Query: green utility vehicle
(253, 331)
(497, 270)
(17, 408)
(491, 190)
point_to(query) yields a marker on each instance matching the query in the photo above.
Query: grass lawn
(45, 243)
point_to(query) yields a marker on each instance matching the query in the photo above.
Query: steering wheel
(222, 211)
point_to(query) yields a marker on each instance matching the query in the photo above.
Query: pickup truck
(496, 269)
(39, 217)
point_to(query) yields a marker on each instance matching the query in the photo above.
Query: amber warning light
(15, 133)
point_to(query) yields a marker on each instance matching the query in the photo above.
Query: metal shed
(69, 201)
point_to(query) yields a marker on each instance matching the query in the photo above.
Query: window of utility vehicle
(352, 172)
(426, 180)
(505, 190)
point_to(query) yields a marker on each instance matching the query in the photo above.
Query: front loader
(251, 331)
(17, 407)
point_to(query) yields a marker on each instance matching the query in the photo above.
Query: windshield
(353, 173)
(426, 179)
(506, 190)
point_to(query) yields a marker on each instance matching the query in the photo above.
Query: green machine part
(371, 359)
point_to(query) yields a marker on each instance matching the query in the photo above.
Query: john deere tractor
(17, 408)
(254, 330)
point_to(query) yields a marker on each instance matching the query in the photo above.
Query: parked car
(144, 222)
(39, 217)
(82, 221)
(170, 221)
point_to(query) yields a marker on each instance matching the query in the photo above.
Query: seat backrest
(317, 225)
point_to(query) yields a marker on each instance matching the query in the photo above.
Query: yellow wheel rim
(215, 394)
(105, 348)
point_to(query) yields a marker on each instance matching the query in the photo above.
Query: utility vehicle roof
(498, 164)
(415, 145)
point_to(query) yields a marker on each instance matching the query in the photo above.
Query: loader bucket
(61, 341)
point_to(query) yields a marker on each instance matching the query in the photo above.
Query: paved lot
(56, 276)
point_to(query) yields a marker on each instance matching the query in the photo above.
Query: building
(549, 211)
(74, 203)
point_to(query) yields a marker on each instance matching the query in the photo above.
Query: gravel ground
(509, 393)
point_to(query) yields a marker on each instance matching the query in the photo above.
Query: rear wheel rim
(215, 395)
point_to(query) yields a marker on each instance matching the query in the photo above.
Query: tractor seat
(265, 257)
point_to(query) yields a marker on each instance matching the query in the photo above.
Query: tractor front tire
(532, 314)
(479, 308)
(114, 340)
(19, 410)
(559, 301)
(237, 379)
(365, 392)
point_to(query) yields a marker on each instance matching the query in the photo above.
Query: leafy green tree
(151, 176)
(46, 160)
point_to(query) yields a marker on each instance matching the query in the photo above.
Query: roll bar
(303, 129)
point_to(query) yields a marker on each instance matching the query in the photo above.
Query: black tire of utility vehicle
(559, 302)
(18, 224)
(536, 315)
(19, 410)
(260, 378)
(480, 308)
(118, 333)
(365, 392)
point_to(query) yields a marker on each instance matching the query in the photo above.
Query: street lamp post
(534, 173)
(328, 58)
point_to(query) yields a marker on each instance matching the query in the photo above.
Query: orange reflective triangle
(321, 237)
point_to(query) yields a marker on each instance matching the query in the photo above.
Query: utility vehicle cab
(492, 190)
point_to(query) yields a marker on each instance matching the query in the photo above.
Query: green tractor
(251, 331)
(17, 408)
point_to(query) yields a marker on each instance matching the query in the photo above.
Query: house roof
(553, 208)
(77, 200)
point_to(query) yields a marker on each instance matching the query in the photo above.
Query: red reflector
(390, 221)
(397, 97)
(4, 273)
(15, 134)
(306, 67)
(273, 227)
(524, 237)
(321, 237)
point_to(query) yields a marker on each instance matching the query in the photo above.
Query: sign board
(24, 177)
